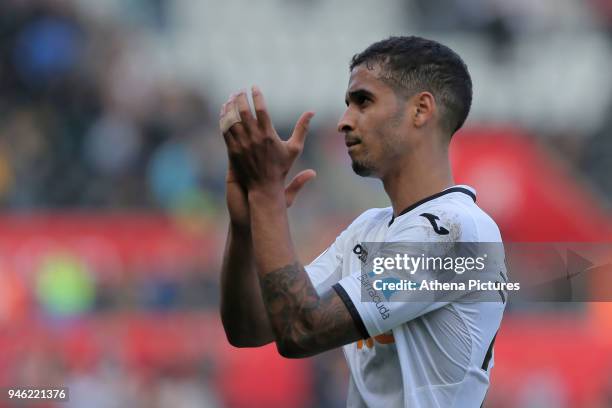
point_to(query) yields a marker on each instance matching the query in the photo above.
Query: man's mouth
(352, 142)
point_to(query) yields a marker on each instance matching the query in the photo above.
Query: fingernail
(255, 89)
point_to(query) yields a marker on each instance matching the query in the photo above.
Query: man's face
(373, 123)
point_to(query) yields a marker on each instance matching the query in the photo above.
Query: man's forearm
(244, 316)
(291, 300)
(272, 244)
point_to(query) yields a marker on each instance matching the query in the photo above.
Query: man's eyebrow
(356, 94)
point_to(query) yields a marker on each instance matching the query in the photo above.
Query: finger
(231, 176)
(296, 185)
(235, 134)
(229, 115)
(261, 110)
(225, 106)
(225, 124)
(299, 132)
(234, 172)
(244, 110)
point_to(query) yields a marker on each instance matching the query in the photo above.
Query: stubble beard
(361, 168)
(366, 166)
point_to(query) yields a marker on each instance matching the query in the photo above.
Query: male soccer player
(406, 97)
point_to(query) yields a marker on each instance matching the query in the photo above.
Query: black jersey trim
(489, 355)
(432, 197)
(352, 310)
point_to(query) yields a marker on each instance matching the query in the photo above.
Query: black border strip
(352, 310)
(487, 359)
(432, 197)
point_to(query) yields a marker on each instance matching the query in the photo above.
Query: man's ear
(423, 108)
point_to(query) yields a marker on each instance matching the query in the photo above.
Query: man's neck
(415, 180)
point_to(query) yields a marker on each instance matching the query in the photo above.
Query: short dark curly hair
(414, 64)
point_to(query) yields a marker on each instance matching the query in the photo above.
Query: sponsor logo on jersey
(374, 295)
(361, 253)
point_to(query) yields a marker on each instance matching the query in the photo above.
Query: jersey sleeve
(376, 310)
(326, 270)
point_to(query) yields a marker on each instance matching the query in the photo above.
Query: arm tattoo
(304, 322)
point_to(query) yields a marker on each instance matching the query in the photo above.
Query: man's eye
(361, 100)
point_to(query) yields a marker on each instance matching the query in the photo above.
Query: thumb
(301, 129)
(297, 183)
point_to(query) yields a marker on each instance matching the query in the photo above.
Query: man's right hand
(237, 201)
(236, 193)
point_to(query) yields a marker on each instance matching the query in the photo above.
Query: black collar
(431, 197)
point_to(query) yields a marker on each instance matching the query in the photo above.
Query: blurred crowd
(84, 122)
(87, 121)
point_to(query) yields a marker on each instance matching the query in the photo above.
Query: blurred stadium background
(112, 178)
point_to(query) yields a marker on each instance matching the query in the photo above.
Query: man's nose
(346, 123)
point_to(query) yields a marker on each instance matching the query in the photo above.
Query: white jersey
(424, 355)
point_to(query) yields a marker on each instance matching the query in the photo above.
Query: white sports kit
(415, 354)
